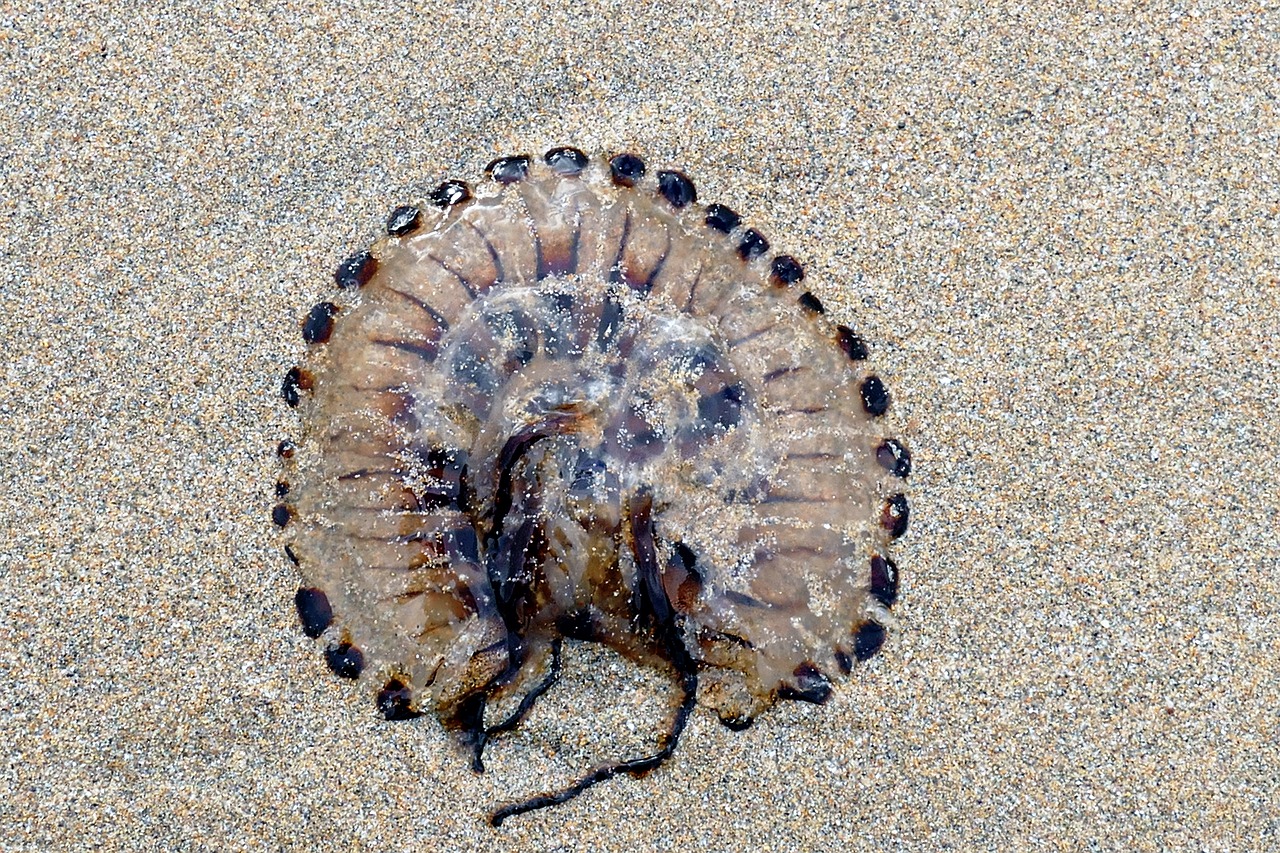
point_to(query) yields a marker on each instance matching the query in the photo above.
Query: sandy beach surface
(1058, 226)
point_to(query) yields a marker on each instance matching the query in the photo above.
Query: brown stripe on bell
(425, 349)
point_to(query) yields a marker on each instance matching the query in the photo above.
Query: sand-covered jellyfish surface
(574, 402)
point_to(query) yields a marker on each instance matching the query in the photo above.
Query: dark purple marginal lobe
(811, 685)
(785, 271)
(319, 323)
(403, 220)
(626, 169)
(345, 660)
(295, 382)
(395, 701)
(875, 397)
(752, 245)
(868, 640)
(884, 580)
(314, 611)
(355, 271)
(896, 513)
(677, 189)
(853, 345)
(894, 457)
(509, 170)
(566, 161)
(722, 218)
(811, 303)
(449, 194)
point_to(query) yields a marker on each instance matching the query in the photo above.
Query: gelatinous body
(576, 403)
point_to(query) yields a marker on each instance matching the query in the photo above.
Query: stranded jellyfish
(576, 403)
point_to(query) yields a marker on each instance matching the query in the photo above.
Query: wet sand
(1060, 233)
